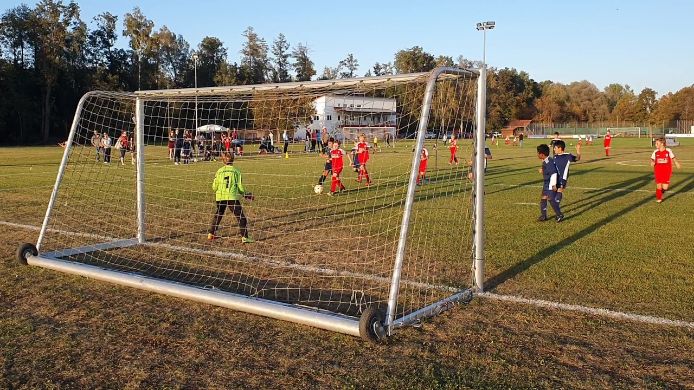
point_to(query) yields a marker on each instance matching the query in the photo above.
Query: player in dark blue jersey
(549, 184)
(562, 161)
(328, 166)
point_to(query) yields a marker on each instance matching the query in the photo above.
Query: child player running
(328, 167)
(337, 156)
(424, 159)
(661, 161)
(229, 190)
(562, 160)
(453, 147)
(549, 186)
(363, 158)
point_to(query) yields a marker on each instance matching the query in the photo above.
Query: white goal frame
(379, 326)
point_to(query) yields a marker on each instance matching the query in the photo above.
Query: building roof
(364, 109)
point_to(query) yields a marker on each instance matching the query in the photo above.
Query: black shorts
(328, 166)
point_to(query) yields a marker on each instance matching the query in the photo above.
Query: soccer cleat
(542, 219)
(330, 193)
(560, 218)
(247, 240)
(211, 236)
(659, 201)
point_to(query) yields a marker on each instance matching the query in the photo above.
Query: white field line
(590, 188)
(526, 203)
(618, 315)
(594, 311)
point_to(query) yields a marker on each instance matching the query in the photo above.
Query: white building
(348, 116)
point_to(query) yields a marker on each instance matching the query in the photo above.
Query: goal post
(391, 249)
(626, 131)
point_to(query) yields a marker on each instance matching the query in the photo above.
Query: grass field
(616, 250)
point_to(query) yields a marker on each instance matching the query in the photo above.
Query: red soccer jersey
(363, 152)
(337, 156)
(423, 161)
(454, 145)
(607, 141)
(663, 165)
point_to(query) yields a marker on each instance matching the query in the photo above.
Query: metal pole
(61, 170)
(140, 148)
(409, 199)
(478, 265)
(195, 66)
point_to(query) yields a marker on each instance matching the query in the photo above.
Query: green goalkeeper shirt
(227, 184)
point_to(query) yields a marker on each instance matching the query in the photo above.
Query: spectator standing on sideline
(106, 144)
(96, 143)
(314, 140)
(308, 139)
(520, 139)
(285, 139)
(122, 146)
(172, 144)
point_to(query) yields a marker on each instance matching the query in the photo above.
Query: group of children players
(229, 189)
(555, 171)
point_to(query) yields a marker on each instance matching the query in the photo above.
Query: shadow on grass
(539, 181)
(499, 279)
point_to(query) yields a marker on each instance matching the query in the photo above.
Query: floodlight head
(486, 25)
(195, 56)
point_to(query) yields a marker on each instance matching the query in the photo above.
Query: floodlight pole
(195, 70)
(478, 264)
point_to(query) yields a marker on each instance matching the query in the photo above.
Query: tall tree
(211, 57)
(329, 73)
(383, 69)
(413, 60)
(15, 27)
(55, 26)
(280, 60)
(350, 64)
(444, 61)
(303, 66)
(139, 30)
(174, 55)
(254, 60)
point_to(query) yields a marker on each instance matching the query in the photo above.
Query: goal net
(627, 131)
(390, 239)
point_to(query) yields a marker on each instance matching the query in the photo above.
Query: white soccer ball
(318, 189)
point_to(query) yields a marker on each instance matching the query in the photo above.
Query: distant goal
(387, 252)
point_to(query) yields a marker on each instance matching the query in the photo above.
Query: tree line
(50, 57)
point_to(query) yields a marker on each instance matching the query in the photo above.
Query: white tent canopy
(212, 129)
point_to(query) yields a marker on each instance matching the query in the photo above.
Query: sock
(333, 184)
(558, 196)
(321, 179)
(555, 207)
(543, 208)
(659, 194)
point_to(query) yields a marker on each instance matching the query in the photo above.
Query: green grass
(617, 249)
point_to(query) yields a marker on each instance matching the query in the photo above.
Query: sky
(638, 43)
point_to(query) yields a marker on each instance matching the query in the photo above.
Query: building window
(316, 117)
(338, 117)
(328, 117)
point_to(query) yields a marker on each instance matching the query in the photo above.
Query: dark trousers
(107, 155)
(286, 145)
(235, 207)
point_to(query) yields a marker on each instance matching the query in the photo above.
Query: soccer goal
(387, 251)
(627, 131)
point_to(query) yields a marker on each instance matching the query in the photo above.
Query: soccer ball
(318, 189)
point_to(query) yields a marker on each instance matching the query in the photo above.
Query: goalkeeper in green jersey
(229, 190)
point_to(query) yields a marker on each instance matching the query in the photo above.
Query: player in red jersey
(661, 161)
(363, 158)
(423, 166)
(337, 156)
(607, 143)
(453, 147)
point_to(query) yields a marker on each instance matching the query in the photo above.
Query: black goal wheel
(371, 324)
(24, 251)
